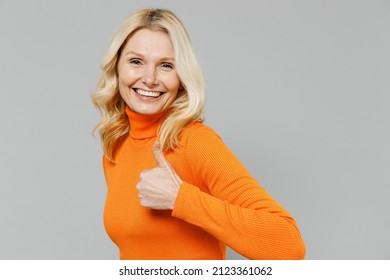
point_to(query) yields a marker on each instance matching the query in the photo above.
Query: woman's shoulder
(199, 132)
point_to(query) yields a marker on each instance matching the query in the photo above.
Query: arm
(233, 206)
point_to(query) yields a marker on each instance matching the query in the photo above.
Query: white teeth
(148, 93)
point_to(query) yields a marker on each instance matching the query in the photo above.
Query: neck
(144, 126)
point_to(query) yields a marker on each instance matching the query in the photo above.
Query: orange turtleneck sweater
(218, 204)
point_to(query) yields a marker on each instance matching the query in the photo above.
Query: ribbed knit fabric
(218, 204)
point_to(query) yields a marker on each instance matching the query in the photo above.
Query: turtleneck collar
(144, 126)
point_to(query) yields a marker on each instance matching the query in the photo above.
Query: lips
(146, 93)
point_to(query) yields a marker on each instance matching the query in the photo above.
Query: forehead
(149, 42)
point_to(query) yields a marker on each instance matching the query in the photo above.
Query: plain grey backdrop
(299, 90)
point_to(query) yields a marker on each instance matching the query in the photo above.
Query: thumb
(159, 156)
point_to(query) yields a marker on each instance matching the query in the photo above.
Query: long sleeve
(227, 202)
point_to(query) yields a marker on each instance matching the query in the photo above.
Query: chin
(147, 111)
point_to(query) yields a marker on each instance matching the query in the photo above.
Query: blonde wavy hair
(189, 104)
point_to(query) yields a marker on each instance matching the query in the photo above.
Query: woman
(175, 191)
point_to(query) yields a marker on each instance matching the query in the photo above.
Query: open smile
(146, 93)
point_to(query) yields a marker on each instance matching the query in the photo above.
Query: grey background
(299, 90)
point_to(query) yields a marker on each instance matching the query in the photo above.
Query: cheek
(123, 80)
(122, 86)
(123, 94)
(127, 77)
(171, 98)
(173, 84)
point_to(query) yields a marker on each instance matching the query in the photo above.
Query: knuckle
(142, 174)
(139, 187)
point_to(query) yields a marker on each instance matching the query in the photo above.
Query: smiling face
(147, 78)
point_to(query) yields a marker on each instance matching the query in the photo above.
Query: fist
(158, 187)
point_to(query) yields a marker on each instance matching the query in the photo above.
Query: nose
(150, 77)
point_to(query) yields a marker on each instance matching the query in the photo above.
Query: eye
(167, 66)
(135, 61)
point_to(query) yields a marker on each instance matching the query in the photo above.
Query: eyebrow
(140, 55)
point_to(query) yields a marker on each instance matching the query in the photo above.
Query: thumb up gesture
(158, 187)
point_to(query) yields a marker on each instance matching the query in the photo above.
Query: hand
(158, 187)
